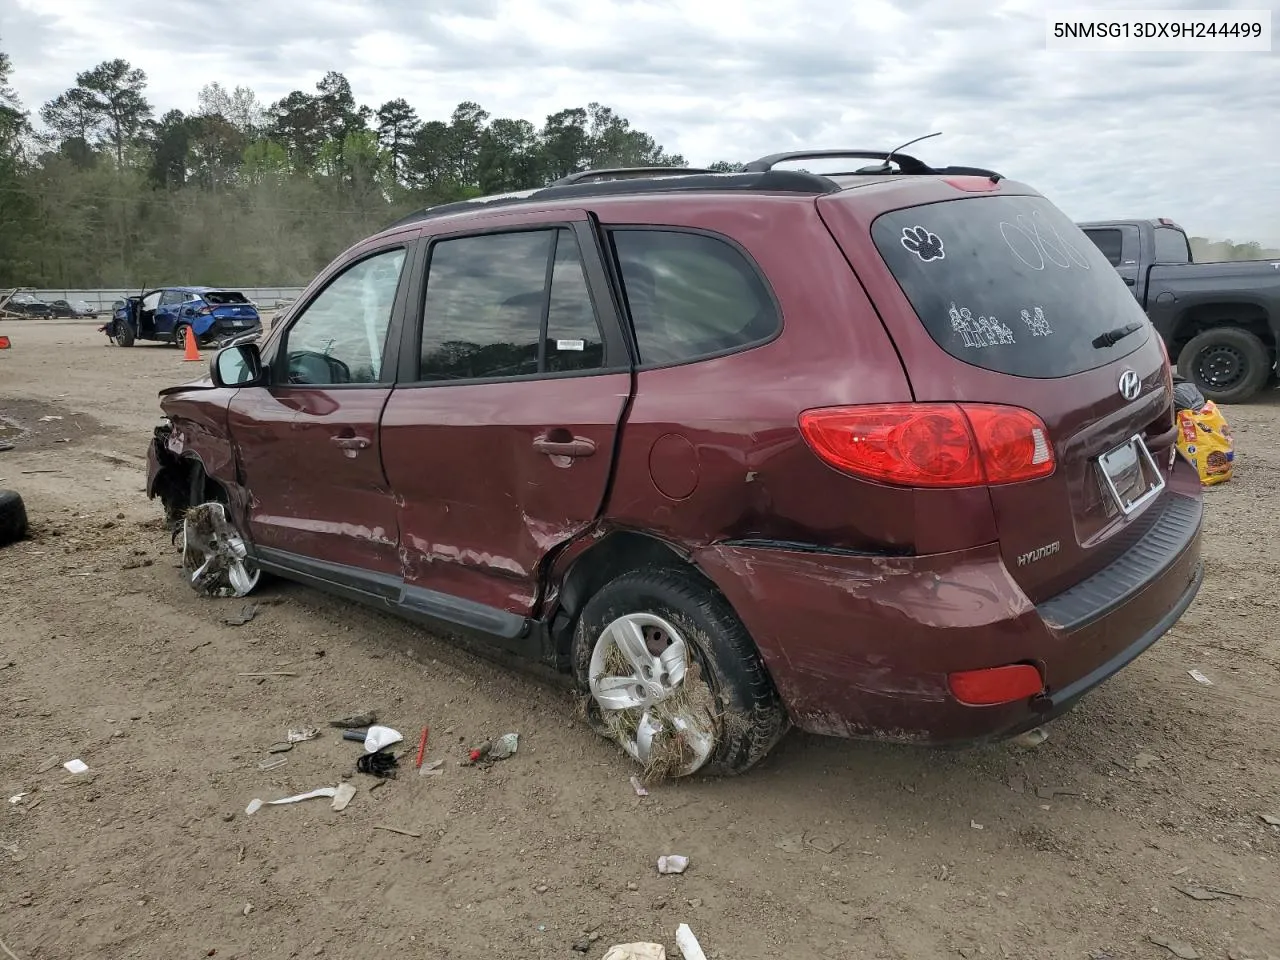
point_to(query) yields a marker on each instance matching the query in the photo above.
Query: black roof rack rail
(907, 164)
(769, 181)
(627, 173)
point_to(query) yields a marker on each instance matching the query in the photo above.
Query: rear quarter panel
(711, 450)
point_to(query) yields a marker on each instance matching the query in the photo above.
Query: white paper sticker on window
(571, 344)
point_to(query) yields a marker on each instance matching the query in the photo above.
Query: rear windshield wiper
(1112, 337)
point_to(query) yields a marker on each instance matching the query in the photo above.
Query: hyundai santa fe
(884, 454)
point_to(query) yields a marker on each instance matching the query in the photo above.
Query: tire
(180, 336)
(747, 715)
(1241, 359)
(13, 517)
(124, 333)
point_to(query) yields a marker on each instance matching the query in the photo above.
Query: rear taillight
(1168, 364)
(206, 311)
(931, 444)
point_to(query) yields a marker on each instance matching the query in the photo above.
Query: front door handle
(352, 443)
(577, 447)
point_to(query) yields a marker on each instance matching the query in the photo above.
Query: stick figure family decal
(981, 332)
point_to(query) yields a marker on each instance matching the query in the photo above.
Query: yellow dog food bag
(1204, 439)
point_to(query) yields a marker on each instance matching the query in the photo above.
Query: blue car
(214, 315)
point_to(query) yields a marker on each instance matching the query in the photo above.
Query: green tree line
(97, 190)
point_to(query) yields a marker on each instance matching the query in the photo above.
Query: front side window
(690, 295)
(507, 305)
(340, 336)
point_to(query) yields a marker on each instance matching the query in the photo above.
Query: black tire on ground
(13, 517)
(124, 333)
(180, 336)
(726, 653)
(1228, 364)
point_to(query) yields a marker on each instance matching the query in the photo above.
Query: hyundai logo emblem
(1130, 385)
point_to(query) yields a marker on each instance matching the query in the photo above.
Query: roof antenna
(884, 167)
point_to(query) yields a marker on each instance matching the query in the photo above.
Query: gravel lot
(1081, 847)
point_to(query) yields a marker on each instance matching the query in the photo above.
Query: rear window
(1009, 284)
(1110, 242)
(220, 297)
(1171, 246)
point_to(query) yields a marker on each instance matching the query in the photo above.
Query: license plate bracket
(1129, 474)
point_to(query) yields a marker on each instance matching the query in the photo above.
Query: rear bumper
(861, 646)
(222, 330)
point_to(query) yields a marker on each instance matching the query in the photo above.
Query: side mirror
(238, 366)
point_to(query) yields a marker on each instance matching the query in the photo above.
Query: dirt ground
(1078, 848)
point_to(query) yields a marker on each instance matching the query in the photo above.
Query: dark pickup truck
(1220, 321)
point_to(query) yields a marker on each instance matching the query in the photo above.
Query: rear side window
(691, 295)
(1110, 242)
(1171, 246)
(508, 305)
(1009, 284)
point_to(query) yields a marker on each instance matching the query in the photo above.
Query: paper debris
(673, 863)
(1199, 677)
(688, 943)
(342, 796)
(504, 746)
(636, 951)
(303, 734)
(76, 766)
(255, 804)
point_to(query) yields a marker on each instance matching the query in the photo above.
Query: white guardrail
(101, 299)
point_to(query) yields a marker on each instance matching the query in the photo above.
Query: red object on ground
(422, 749)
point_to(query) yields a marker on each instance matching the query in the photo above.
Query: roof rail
(627, 173)
(672, 180)
(907, 165)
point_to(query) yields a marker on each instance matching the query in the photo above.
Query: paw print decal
(925, 245)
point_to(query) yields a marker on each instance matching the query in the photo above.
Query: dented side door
(493, 473)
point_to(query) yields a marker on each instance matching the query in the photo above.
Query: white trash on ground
(255, 804)
(379, 738)
(673, 863)
(636, 951)
(688, 943)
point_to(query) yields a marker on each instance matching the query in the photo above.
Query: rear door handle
(351, 443)
(577, 447)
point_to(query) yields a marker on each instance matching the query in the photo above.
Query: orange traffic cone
(191, 353)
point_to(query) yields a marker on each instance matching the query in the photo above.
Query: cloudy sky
(1103, 134)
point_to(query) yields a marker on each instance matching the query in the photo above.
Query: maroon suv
(885, 454)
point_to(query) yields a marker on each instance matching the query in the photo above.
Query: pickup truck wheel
(1227, 364)
(13, 517)
(673, 677)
